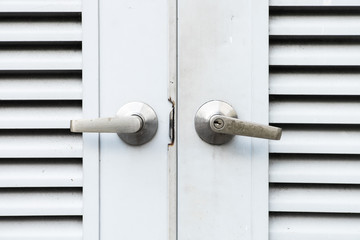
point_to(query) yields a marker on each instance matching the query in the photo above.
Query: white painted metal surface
(65, 28)
(336, 169)
(40, 161)
(17, 173)
(34, 228)
(315, 198)
(35, 86)
(24, 144)
(172, 96)
(303, 110)
(134, 67)
(315, 25)
(40, 6)
(314, 54)
(223, 191)
(91, 147)
(314, 226)
(41, 202)
(222, 56)
(310, 3)
(314, 85)
(38, 115)
(325, 82)
(56, 57)
(318, 139)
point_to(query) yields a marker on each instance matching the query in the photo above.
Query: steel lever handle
(216, 123)
(136, 123)
(233, 126)
(128, 124)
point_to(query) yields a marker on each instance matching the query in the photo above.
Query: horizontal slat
(299, 110)
(40, 6)
(306, 168)
(314, 3)
(16, 173)
(316, 25)
(314, 54)
(40, 228)
(315, 83)
(314, 198)
(314, 227)
(318, 139)
(34, 143)
(44, 86)
(45, 30)
(35, 115)
(40, 58)
(41, 202)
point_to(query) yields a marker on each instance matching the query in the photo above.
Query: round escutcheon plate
(202, 121)
(149, 119)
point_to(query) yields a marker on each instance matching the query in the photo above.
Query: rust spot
(172, 102)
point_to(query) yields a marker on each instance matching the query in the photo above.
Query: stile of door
(223, 55)
(134, 67)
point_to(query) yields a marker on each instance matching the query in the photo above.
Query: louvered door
(314, 96)
(51, 62)
(40, 90)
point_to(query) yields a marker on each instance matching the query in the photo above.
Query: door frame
(91, 167)
(90, 86)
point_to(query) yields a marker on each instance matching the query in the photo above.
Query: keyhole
(218, 123)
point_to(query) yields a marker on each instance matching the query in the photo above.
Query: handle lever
(233, 126)
(216, 123)
(126, 124)
(136, 123)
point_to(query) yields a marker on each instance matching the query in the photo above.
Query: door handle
(135, 123)
(216, 123)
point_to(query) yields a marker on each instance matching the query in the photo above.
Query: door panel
(222, 190)
(134, 67)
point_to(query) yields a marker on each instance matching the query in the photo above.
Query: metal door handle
(216, 123)
(136, 123)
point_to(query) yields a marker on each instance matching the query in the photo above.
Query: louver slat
(19, 173)
(40, 6)
(310, 3)
(36, 86)
(21, 31)
(306, 168)
(314, 227)
(315, 83)
(300, 110)
(328, 198)
(40, 58)
(315, 25)
(40, 202)
(314, 54)
(35, 228)
(33, 144)
(38, 115)
(318, 139)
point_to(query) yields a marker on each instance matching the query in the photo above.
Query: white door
(126, 186)
(63, 58)
(186, 188)
(222, 55)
